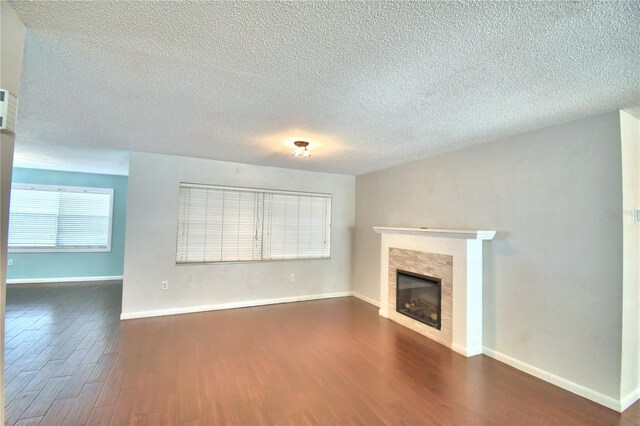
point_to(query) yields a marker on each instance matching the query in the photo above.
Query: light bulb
(301, 149)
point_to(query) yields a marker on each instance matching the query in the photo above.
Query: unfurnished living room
(320, 212)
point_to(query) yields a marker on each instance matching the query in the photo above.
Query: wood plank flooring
(70, 361)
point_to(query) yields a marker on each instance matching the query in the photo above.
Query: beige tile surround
(433, 265)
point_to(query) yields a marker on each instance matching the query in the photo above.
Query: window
(60, 218)
(226, 224)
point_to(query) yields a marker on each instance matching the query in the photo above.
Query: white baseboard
(465, 350)
(629, 400)
(365, 298)
(61, 280)
(573, 387)
(232, 305)
(529, 369)
(586, 392)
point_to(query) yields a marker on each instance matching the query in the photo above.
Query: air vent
(8, 111)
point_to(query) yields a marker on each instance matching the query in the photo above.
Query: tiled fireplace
(441, 283)
(433, 265)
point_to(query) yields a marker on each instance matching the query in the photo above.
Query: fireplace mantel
(464, 248)
(440, 233)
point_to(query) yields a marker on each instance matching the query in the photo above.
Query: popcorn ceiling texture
(371, 84)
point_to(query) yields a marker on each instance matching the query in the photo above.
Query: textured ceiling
(370, 84)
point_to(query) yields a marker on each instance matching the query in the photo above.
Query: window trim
(94, 190)
(248, 189)
(252, 189)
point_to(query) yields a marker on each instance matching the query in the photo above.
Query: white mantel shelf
(464, 234)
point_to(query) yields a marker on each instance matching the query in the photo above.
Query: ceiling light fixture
(301, 149)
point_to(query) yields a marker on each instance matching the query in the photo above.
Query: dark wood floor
(70, 361)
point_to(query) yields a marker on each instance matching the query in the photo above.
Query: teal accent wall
(70, 265)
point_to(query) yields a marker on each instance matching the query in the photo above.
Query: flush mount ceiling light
(301, 149)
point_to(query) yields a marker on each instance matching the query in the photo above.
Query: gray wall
(150, 244)
(553, 275)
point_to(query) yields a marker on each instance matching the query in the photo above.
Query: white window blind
(60, 218)
(225, 224)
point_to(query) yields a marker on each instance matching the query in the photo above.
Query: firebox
(419, 297)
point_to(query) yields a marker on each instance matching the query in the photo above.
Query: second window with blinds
(228, 224)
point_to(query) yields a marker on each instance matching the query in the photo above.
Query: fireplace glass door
(419, 296)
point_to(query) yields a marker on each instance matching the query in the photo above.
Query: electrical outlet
(165, 285)
(10, 262)
(292, 277)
